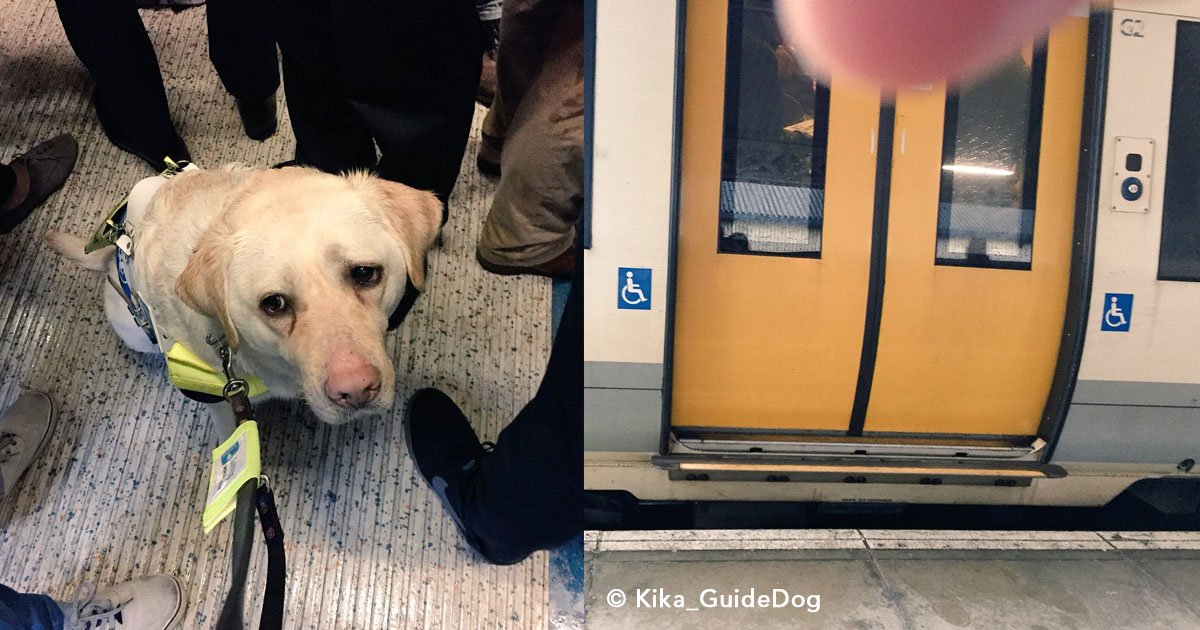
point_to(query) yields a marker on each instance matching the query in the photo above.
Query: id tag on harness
(235, 462)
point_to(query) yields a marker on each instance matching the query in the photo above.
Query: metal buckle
(173, 168)
(233, 388)
(233, 385)
(111, 231)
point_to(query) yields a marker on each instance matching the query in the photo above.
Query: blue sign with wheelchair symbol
(633, 288)
(1118, 312)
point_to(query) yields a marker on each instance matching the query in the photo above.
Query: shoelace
(9, 446)
(470, 464)
(87, 613)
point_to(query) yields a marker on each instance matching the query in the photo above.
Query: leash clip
(173, 168)
(218, 343)
(234, 387)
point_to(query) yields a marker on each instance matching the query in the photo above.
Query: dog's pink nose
(351, 381)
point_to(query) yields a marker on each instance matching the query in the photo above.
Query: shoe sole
(50, 427)
(180, 608)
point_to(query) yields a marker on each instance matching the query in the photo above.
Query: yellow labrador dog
(298, 269)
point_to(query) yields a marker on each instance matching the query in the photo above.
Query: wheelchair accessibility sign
(633, 288)
(1118, 312)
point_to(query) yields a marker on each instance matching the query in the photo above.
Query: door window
(776, 132)
(989, 167)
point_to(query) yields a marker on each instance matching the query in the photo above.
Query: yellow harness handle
(188, 371)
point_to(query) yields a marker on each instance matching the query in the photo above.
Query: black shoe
(174, 148)
(48, 165)
(447, 452)
(259, 118)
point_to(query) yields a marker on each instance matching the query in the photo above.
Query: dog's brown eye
(366, 276)
(274, 304)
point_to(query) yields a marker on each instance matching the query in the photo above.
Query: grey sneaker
(25, 428)
(150, 603)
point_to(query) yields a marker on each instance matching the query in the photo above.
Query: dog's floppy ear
(202, 286)
(414, 218)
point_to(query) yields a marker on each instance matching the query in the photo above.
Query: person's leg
(526, 29)
(527, 493)
(111, 42)
(242, 49)
(330, 134)
(28, 611)
(530, 227)
(410, 70)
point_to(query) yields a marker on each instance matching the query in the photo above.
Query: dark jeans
(21, 611)
(398, 73)
(110, 40)
(528, 494)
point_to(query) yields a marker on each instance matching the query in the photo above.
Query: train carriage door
(850, 265)
(979, 246)
(776, 194)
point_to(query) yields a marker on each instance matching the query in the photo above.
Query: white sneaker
(150, 603)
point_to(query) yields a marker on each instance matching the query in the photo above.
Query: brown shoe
(559, 267)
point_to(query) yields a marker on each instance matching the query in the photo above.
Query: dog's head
(302, 270)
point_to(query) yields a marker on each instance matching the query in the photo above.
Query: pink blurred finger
(901, 42)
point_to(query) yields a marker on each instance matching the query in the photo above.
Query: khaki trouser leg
(541, 187)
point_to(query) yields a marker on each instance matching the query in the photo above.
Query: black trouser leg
(528, 494)
(410, 70)
(109, 38)
(8, 181)
(330, 134)
(242, 48)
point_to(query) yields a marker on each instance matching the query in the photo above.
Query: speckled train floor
(119, 490)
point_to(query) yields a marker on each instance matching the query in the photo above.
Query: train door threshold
(857, 463)
(921, 447)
